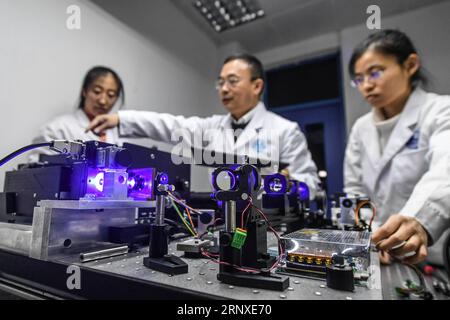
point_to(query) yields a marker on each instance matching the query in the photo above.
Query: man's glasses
(373, 76)
(231, 82)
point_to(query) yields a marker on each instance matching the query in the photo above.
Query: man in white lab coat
(248, 129)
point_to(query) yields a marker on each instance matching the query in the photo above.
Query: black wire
(416, 270)
(173, 222)
(18, 152)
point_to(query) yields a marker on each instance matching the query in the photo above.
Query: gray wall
(167, 65)
(42, 64)
(428, 27)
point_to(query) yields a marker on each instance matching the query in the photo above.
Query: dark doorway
(310, 93)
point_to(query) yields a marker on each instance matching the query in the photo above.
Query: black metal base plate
(272, 282)
(168, 264)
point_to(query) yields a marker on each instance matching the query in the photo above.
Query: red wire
(243, 212)
(280, 247)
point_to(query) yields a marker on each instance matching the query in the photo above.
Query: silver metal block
(15, 237)
(62, 226)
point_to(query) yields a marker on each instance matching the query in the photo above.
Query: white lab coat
(290, 145)
(412, 176)
(69, 126)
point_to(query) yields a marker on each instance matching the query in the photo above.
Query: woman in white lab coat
(101, 89)
(398, 154)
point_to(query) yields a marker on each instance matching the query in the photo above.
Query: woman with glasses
(101, 89)
(398, 154)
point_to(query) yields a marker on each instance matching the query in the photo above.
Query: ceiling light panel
(222, 15)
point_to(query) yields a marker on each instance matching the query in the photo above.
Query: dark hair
(95, 73)
(256, 67)
(389, 42)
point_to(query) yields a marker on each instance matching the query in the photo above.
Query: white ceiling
(286, 21)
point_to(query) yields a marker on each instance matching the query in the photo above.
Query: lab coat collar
(81, 117)
(256, 122)
(252, 129)
(402, 132)
(256, 115)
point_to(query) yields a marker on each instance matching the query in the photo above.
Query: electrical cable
(357, 212)
(192, 223)
(243, 214)
(411, 287)
(169, 221)
(182, 218)
(18, 152)
(280, 247)
(208, 231)
(183, 204)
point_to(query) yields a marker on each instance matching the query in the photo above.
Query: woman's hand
(402, 237)
(385, 257)
(103, 122)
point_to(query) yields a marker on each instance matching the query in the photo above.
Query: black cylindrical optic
(340, 277)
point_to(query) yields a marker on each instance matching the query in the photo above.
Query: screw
(317, 293)
(291, 289)
(201, 273)
(349, 298)
(255, 291)
(209, 282)
(322, 286)
(282, 296)
(230, 287)
(296, 281)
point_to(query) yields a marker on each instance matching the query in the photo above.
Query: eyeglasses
(231, 82)
(373, 76)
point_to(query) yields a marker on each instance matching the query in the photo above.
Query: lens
(347, 203)
(163, 179)
(225, 180)
(140, 183)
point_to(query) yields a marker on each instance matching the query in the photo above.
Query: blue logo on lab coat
(413, 142)
(259, 146)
